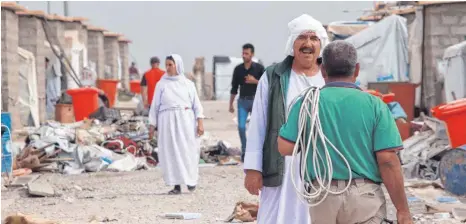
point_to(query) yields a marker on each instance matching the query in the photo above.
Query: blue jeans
(244, 108)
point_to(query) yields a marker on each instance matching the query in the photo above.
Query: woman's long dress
(174, 111)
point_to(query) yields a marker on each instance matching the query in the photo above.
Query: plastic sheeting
(343, 29)
(383, 51)
(53, 82)
(28, 96)
(415, 52)
(455, 73)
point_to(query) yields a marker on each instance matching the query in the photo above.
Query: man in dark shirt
(245, 77)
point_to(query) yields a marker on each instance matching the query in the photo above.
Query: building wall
(10, 64)
(32, 38)
(445, 25)
(95, 51)
(82, 38)
(124, 58)
(111, 57)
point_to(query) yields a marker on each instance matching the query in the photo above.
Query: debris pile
(107, 142)
(423, 151)
(219, 151)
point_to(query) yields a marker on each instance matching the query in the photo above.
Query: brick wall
(445, 25)
(95, 50)
(31, 38)
(124, 59)
(82, 38)
(10, 65)
(111, 56)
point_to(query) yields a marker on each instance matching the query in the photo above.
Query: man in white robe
(279, 203)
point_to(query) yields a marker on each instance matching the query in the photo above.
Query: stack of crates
(6, 144)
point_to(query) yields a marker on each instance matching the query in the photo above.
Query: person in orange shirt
(149, 81)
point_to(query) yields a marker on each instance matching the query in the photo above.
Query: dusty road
(140, 197)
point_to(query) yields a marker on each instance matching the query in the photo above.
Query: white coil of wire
(314, 195)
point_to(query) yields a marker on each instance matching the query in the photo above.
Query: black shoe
(191, 188)
(175, 191)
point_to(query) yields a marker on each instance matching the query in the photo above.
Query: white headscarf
(178, 64)
(305, 23)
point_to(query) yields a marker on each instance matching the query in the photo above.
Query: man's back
(357, 124)
(150, 80)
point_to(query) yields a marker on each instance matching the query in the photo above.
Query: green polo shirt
(357, 123)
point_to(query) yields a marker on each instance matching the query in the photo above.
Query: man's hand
(253, 181)
(232, 108)
(200, 129)
(151, 132)
(404, 218)
(249, 79)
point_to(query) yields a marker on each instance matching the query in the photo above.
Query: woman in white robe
(176, 114)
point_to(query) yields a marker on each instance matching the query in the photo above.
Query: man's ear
(356, 71)
(323, 71)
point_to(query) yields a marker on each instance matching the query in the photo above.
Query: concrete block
(458, 30)
(111, 56)
(124, 58)
(32, 38)
(463, 20)
(437, 29)
(448, 41)
(433, 20)
(438, 8)
(41, 189)
(10, 66)
(450, 19)
(95, 50)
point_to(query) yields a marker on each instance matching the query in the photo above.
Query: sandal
(191, 188)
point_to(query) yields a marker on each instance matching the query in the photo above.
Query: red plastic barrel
(110, 88)
(85, 102)
(135, 86)
(454, 115)
(386, 98)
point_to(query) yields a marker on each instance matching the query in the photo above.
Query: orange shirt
(150, 80)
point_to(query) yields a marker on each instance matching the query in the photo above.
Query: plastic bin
(110, 89)
(6, 150)
(454, 115)
(64, 113)
(135, 86)
(85, 102)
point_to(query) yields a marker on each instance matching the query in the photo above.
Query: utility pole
(48, 7)
(65, 8)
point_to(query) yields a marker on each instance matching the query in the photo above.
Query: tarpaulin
(383, 51)
(455, 73)
(28, 96)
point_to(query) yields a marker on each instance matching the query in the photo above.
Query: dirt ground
(140, 197)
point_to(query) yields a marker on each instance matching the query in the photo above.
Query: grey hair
(339, 59)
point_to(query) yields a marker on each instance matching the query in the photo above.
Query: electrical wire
(314, 195)
(60, 57)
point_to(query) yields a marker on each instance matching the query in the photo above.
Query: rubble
(422, 152)
(40, 189)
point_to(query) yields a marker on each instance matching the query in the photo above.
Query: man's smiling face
(307, 48)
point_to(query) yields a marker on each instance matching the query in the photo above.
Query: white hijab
(179, 68)
(301, 24)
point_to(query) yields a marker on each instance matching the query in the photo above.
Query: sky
(194, 29)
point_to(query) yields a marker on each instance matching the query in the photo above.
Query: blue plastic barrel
(6, 143)
(453, 170)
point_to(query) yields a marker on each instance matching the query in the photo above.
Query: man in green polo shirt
(362, 128)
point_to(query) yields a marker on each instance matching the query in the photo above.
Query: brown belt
(353, 182)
